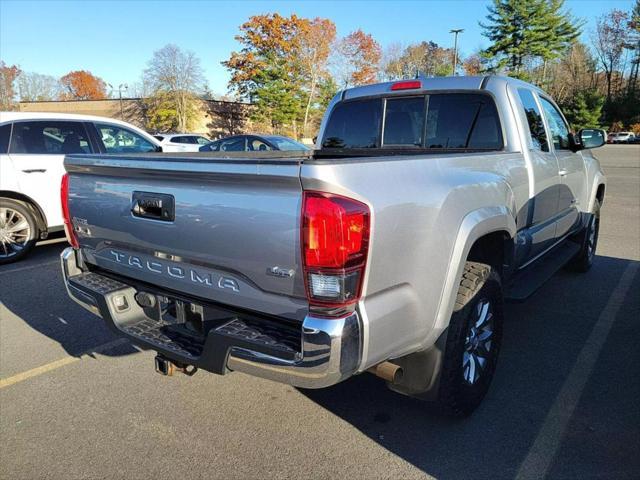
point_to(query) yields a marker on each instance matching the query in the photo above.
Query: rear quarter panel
(418, 205)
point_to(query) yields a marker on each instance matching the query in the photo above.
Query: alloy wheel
(15, 232)
(477, 346)
(592, 237)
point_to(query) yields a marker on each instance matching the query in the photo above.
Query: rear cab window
(434, 121)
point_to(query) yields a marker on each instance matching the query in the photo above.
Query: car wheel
(18, 230)
(473, 341)
(588, 243)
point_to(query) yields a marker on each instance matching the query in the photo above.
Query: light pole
(122, 86)
(455, 47)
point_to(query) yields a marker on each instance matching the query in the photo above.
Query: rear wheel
(18, 230)
(473, 341)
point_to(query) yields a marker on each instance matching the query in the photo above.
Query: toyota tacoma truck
(388, 249)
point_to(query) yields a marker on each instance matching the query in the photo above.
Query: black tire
(15, 245)
(462, 390)
(588, 239)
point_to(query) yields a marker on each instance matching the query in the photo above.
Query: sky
(115, 39)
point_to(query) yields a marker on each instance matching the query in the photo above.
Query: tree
(526, 32)
(174, 77)
(35, 87)
(427, 58)
(83, 85)
(361, 56)
(634, 45)
(159, 112)
(391, 68)
(268, 71)
(609, 40)
(561, 31)
(8, 75)
(317, 37)
(472, 65)
(584, 109)
(574, 72)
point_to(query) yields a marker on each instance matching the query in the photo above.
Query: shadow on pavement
(542, 339)
(36, 295)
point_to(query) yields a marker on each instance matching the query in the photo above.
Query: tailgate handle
(156, 206)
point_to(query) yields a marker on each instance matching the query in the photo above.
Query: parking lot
(77, 402)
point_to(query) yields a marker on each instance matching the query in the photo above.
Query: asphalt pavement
(77, 402)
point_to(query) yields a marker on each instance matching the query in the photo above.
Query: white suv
(32, 150)
(181, 142)
(622, 137)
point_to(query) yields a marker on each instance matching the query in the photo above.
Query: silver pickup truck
(389, 249)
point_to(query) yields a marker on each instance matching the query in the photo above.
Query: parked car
(181, 142)
(253, 143)
(388, 250)
(32, 150)
(621, 137)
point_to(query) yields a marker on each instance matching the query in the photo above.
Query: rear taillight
(335, 242)
(68, 226)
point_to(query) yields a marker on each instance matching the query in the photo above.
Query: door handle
(35, 170)
(563, 173)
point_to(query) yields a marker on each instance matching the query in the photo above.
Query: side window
(534, 119)
(255, 144)
(404, 121)
(49, 138)
(117, 139)
(5, 135)
(202, 141)
(557, 125)
(233, 145)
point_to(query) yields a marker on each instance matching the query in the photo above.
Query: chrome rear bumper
(318, 354)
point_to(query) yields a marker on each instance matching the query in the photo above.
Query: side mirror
(159, 148)
(592, 137)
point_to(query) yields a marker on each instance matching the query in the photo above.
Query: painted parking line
(34, 372)
(546, 445)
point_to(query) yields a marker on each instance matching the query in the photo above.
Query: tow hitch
(166, 367)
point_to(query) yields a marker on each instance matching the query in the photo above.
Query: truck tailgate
(222, 229)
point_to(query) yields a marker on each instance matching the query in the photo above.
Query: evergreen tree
(560, 30)
(584, 109)
(524, 32)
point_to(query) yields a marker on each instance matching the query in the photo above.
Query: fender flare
(474, 225)
(598, 179)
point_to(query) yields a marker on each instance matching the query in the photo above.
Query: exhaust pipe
(166, 367)
(388, 371)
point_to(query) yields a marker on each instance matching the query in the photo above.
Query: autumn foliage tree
(280, 67)
(361, 56)
(83, 85)
(317, 37)
(8, 75)
(427, 58)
